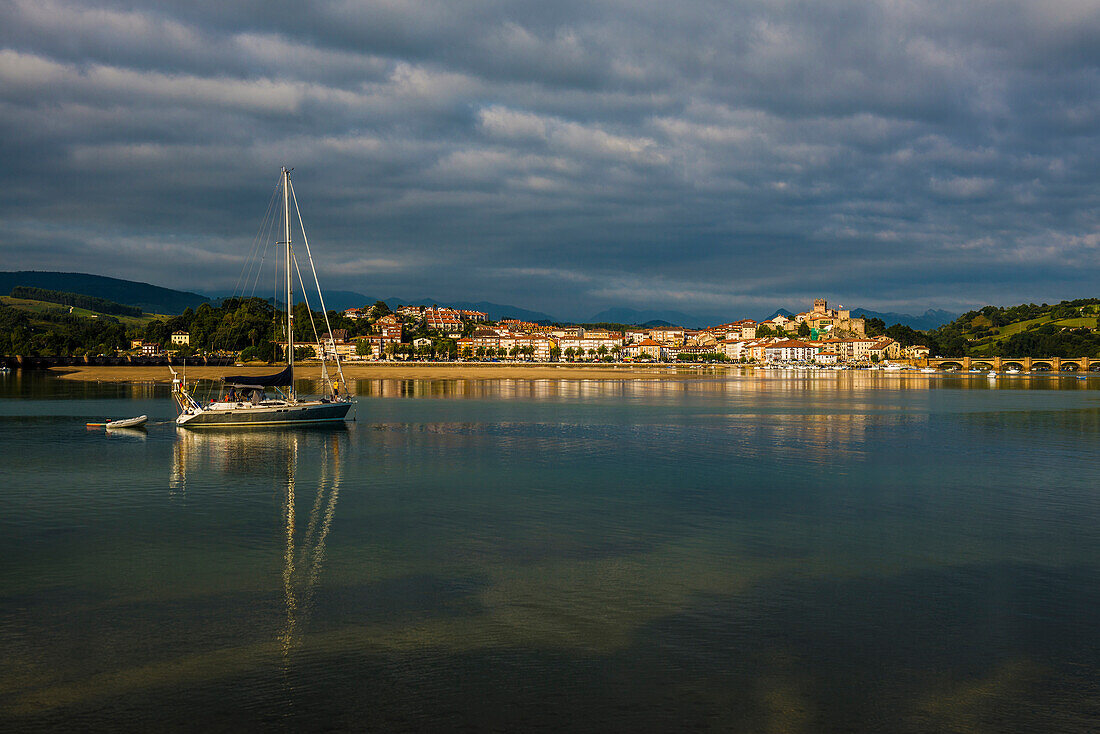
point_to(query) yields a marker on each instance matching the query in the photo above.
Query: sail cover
(280, 379)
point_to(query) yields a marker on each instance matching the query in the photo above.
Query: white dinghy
(109, 424)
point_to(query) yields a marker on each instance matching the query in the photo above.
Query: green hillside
(1066, 329)
(145, 296)
(79, 300)
(36, 310)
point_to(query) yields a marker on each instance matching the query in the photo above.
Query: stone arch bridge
(1024, 364)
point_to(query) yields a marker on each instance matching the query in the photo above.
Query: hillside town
(821, 335)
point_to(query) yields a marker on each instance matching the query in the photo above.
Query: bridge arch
(1094, 367)
(1070, 367)
(981, 364)
(1040, 367)
(1011, 364)
(951, 366)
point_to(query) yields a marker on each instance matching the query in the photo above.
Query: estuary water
(765, 552)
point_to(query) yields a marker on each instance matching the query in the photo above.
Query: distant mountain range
(623, 315)
(149, 298)
(930, 319)
(155, 299)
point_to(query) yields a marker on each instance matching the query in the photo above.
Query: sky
(719, 158)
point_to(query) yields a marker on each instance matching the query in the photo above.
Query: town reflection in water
(305, 467)
(679, 381)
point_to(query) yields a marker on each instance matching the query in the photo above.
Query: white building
(589, 345)
(734, 349)
(790, 350)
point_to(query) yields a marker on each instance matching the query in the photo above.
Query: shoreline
(405, 371)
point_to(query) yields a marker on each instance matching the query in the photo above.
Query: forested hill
(1066, 329)
(147, 297)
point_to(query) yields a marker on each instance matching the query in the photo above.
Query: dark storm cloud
(710, 156)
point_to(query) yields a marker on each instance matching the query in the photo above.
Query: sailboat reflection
(294, 460)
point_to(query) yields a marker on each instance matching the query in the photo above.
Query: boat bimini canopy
(280, 379)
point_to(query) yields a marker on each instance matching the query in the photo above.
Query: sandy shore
(415, 371)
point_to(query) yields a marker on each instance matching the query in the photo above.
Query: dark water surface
(837, 552)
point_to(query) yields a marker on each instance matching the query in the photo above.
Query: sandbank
(406, 371)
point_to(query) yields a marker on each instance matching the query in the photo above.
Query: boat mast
(289, 281)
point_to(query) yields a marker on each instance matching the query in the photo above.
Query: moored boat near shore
(244, 400)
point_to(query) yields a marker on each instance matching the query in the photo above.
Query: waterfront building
(734, 349)
(855, 350)
(789, 350)
(588, 344)
(334, 344)
(756, 350)
(646, 348)
(376, 346)
(916, 351)
(540, 345)
(886, 348)
(486, 339)
(690, 351)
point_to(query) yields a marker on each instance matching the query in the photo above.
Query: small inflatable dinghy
(121, 423)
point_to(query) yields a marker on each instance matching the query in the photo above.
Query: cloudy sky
(722, 157)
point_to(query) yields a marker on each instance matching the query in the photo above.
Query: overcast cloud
(711, 157)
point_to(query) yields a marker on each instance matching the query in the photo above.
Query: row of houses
(768, 349)
(436, 317)
(153, 349)
(823, 351)
(778, 349)
(541, 347)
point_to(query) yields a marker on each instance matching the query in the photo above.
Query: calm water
(843, 552)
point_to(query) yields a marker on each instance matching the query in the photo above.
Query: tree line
(51, 334)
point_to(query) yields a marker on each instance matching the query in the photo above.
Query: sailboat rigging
(245, 400)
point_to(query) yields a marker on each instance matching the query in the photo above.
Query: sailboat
(266, 400)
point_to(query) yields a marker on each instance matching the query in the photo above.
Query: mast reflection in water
(278, 453)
